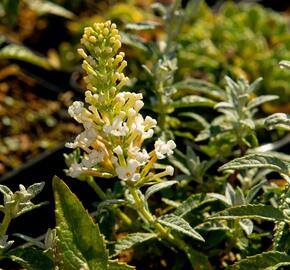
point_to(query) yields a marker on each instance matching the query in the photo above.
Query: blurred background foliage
(235, 39)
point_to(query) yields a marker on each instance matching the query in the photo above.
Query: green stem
(162, 111)
(92, 183)
(5, 223)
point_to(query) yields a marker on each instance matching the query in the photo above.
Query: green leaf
(180, 225)
(11, 10)
(42, 7)
(80, 244)
(278, 120)
(256, 161)
(18, 52)
(250, 211)
(116, 265)
(260, 100)
(155, 188)
(200, 86)
(261, 261)
(134, 41)
(131, 240)
(31, 258)
(197, 259)
(142, 26)
(278, 265)
(193, 101)
(191, 203)
(195, 117)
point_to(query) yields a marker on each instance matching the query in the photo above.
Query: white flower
(93, 158)
(86, 138)
(149, 122)
(79, 113)
(138, 105)
(162, 149)
(118, 127)
(141, 156)
(75, 170)
(118, 150)
(169, 170)
(129, 171)
(76, 109)
(139, 127)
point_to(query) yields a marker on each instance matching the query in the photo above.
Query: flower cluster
(114, 130)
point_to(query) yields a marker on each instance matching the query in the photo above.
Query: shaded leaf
(193, 101)
(116, 265)
(256, 161)
(42, 7)
(200, 86)
(11, 10)
(254, 211)
(131, 240)
(247, 225)
(180, 225)
(31, 258)
(142, 26)
(18, 52)
(80, 244)
(261, 261)
(260, 100)
(278, 120)
(134, 41)
(155, 188)
(197, 259)
(191, 203)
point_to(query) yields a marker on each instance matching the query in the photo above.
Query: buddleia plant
(112, 144)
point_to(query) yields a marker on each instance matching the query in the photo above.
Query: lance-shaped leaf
(155, 188)
(80, 244)
(251, 211)
(116, 265)
(31, 258)
(278, 120)
(260, 100)
(193, 101)
(197, 259)
(18, 52)
(142, 26)
(265, 260)
(42, 7)
(200, 86)
(257, 161)
(191, 203)
(131, 240)
(180, 225)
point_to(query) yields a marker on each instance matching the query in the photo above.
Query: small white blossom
(149, 122)
(86, 138)
(79, 113)
(75, 109)
(139, 127)
(162, 149)
(142, 157)
(118, 150)
(138, 105)
(93, 158)
(169, 170)
(75, 170)
(118, 127)
(128, 172)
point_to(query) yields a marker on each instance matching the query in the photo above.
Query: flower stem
(92, 183)
(5, 223)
